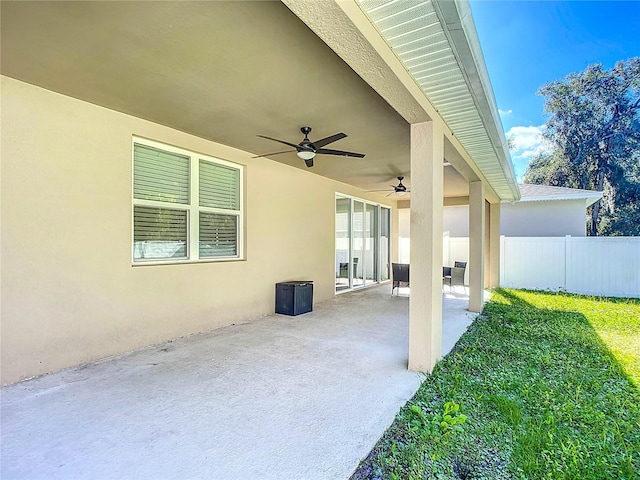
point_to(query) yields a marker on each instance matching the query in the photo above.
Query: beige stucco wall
(70, 294)
(551, 218)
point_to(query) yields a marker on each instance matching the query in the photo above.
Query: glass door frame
(379, 262)
(384, 261)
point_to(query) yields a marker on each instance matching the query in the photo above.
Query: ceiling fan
(307, 149)
(399, 189)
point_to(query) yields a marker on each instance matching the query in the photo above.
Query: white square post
(494, 245)
(476, 246)
(425, 304)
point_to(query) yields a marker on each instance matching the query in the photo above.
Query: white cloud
(527, 142)
(505, 112)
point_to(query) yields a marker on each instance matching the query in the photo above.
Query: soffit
(436, 42)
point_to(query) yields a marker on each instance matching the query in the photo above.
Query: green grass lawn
(541, 386)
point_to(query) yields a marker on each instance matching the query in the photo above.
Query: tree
(550, 169)
(594, 130)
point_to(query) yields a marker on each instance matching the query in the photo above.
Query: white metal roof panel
(436, 42)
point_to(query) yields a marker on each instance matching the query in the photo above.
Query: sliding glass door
(362, 243)
(358, 243)
(343, 244)
(385, 244)
(370, 251)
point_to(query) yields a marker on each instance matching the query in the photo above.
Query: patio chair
(344, 268)
(400, 275)
(454, 275)
(446, 274)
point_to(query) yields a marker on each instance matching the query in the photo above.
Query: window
(186, 206)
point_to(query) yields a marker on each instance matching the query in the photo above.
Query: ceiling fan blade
(274, 153)
(390, 194)
(383, 190)
(328, 151)
(280, 141)
(326, 141)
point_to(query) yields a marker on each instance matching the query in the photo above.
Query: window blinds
(218, 235)
(159, 232)
(159, 175)
(219, 186)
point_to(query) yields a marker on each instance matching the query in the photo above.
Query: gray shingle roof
(533, 193)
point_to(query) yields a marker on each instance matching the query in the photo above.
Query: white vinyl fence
(456, 249)
(607, 266)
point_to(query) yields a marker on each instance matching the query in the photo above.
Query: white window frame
(192, 208)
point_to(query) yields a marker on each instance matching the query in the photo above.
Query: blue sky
(529, 43)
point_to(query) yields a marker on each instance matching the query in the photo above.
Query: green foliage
(550, 169)
(594, 129)
(452, 419)
(545, 386)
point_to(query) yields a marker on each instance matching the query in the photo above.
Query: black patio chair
(400, 275)
(454, 275)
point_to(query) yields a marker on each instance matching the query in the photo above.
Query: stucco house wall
(548, 218)
(69, 291)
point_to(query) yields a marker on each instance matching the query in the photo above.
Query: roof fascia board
(457, 22)
(349, 32)
(589, 199)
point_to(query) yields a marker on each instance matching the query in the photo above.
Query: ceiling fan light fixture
(401, 193)
(306, 154)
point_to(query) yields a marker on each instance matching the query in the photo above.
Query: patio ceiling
(224, 71)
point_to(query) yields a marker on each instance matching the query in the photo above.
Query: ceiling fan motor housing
(306, 144)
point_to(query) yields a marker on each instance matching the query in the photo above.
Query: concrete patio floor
(279, 397)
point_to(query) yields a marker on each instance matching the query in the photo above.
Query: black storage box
(294, 298)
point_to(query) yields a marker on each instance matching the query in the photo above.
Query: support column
(487, 244)
(494, 245)
(425, 304)
(476, 246)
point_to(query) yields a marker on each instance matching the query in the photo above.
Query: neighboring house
(542, 211)
(135, 208)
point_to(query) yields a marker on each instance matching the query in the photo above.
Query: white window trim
(192, 208)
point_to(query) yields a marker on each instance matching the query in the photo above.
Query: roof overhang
(323, 63)
(588, 198)
(423, 53)
(545, 193)
(436, 41)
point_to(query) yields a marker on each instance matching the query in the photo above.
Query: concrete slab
(280, 397)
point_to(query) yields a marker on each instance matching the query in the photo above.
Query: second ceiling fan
(399, 189)
(307, 149)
